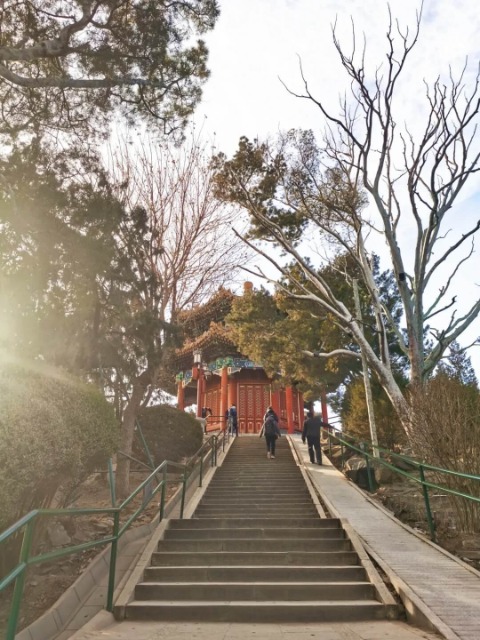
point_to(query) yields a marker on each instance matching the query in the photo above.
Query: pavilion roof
(214, 343)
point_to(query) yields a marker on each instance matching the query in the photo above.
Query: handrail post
(212, 457)
(426, 497)
(342, 459)
(19, 582)
(164, 492)
(369, 468)
(111, 480)
(201, 470)
(113, 561)
(329, 443)
(182, 504)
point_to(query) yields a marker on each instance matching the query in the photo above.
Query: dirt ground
(45, 583)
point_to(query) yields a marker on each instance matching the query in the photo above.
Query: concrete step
(349, 573)
(248, 533)
(233, 523)
(260, 486)
(255, 510)
(232, 488)
(250, 555)
(256, 591)
(254, 558)
(254, 545)
(259, 480)
(240, 513)
(257, 500)
(282, 509)
(248, 611)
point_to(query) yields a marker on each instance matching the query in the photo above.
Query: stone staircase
(257, 550)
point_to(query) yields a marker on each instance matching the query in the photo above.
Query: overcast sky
(258, 42)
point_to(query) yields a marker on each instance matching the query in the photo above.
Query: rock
(58, 536)
(356, 471)
(384, 475)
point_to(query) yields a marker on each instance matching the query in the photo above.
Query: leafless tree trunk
(186, 252)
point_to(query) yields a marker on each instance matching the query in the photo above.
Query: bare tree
(180, 248)
(297, 191)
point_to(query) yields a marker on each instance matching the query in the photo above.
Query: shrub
(54, 431)
(447, 434)
(170, 434)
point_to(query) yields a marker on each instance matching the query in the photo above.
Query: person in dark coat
(270, 412)
(233, 420)
(271, 431)
(311, 433)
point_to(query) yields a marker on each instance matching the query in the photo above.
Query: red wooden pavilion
(214, 374)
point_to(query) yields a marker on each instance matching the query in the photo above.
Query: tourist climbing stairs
(257, 550)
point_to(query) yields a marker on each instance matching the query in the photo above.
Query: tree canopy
(69, 64)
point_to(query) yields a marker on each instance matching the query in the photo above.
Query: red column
(323, 401)
(199, 392)
(289, 408)
(301, 413)
(232, 392)
(275, 399)
(224, 397)
(180, 395)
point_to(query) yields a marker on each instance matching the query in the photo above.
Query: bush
(54, 431)
(447, 435)
(170, 434)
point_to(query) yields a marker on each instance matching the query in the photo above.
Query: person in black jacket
(233, 420)
(271, 431)
(311, 433)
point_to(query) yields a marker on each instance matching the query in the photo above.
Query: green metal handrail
(208, 450)
(420, 466)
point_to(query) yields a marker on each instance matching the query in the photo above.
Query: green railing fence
(366, 450)
(156, 482)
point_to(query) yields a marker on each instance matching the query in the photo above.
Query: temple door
(253, 400)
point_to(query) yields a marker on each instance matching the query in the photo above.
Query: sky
(256, 48)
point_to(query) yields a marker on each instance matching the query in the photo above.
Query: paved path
(128, 630)
(449, 589)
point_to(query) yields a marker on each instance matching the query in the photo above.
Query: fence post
(363, 447)
(164, 491)
(111, 481)
(19, 582)
(182, 504)
(113, 561)
(426, 497)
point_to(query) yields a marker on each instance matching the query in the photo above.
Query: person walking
(270, 411)
(271, 431)
(311, 433)
(233, 420)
